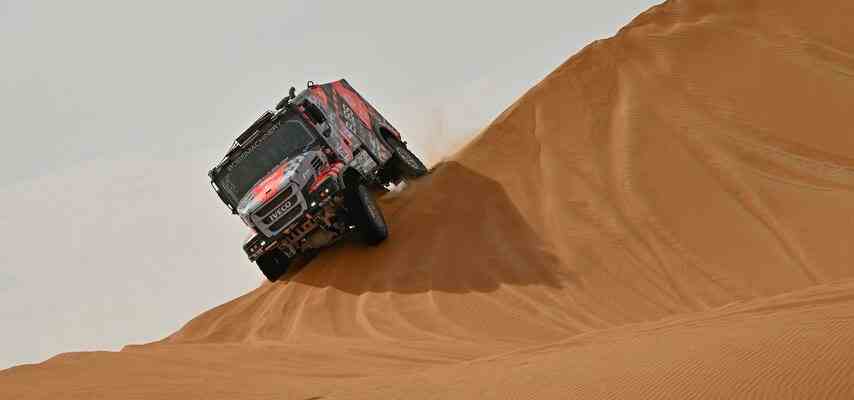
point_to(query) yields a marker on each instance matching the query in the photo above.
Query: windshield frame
(222, 173)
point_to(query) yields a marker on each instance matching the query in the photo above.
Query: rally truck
(306, 174)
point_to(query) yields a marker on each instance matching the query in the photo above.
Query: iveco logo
(280, 211)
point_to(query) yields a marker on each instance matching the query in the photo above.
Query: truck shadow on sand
(453, 231)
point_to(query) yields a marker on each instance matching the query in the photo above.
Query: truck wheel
(403, 161)
(273, 264)
(366, 214)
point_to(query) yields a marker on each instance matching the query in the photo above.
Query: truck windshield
(284, 140)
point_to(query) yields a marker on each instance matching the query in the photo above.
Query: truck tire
(406, 164)
(366, 214)
(273, 264)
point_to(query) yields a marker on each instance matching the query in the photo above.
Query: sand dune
(798, 345)
(666, 215)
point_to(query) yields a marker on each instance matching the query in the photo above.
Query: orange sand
(667, 215)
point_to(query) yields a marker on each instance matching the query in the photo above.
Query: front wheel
(405, 163)
(366, 214)
(273, 264)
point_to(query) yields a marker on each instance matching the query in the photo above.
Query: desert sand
(668, 214)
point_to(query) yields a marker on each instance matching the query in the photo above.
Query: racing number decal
(357, 118)
(349, 118)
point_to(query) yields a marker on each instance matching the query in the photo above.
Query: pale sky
(113, 112)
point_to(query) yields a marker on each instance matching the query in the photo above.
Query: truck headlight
(326, 188)
(255, 246)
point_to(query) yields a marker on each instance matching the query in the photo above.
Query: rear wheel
(273, 264)
(366, 214)
(406, 164)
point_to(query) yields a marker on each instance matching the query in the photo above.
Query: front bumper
(320, 214)
(257, 245)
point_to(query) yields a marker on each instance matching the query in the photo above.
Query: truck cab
(304, 175)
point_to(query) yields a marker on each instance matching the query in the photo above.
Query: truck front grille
(273, 204)
(293, 213)
(282, 210)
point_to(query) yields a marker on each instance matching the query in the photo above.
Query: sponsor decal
(353, 100)
(281, 211)
(349, 118)
(320, 95)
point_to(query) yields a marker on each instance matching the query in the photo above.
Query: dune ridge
(666, 215)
